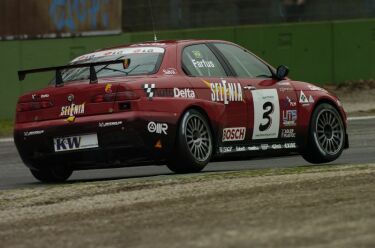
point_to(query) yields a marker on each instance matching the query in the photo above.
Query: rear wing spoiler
(93, 78)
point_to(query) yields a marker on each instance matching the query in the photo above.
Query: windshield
(143, 61)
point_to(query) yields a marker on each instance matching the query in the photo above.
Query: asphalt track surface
(13, 174)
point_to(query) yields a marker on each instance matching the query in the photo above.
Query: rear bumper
(123, 139)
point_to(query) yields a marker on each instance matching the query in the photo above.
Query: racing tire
(194, 144)
(53, 174)
(326, 138)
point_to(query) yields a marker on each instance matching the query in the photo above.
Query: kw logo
(69, 143)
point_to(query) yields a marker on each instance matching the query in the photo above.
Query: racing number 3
(268, 107)
(266, 114)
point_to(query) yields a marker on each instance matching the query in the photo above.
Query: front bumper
(123, 139)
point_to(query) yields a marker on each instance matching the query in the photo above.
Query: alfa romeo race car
(180, 103)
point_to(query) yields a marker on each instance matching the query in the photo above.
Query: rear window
(144, 61)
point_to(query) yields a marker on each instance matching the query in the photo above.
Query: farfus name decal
(73, 110)
(225, 92)
(234, 134)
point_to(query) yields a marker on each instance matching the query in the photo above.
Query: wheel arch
(322, 100)
(203, 111)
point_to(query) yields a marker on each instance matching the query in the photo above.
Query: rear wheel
(52, 174)
(194, 144)
(326, 135)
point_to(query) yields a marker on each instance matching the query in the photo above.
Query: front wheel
(194, 144)
(52, 174)
(326, 135)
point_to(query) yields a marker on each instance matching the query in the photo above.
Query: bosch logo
(234, 134)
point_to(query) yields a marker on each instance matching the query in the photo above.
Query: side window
(243, 63)
(199, 60)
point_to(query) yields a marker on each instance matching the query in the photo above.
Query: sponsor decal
(226, 149)
(253, 148)
(284, 83)
(75, 142)
(302, 98)
(289, 118)
(149, 89)
(183, 93)
(72, 110)
(288, 133)
(264, 146)
(71, 119)
(42, 96)
(203, 63)
(225, 92)
(32, 133)
(108, 88)
(276, 146)
(288, 102)
(316, 88)
(234, 134)
(266, 114)
(170, 71)
(197, 54)
(290, 145)
(339, 103)
(110, 124)
(120, 51)
(283, 89)
(240, 149)
(147, 44)
(311, 99)
(291, 102)
(159, 128)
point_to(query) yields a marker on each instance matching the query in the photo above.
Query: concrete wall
(321, 52)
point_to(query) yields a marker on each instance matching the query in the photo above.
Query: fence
(318, 52)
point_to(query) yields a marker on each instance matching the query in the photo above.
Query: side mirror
(281, 72)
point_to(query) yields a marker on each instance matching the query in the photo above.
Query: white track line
(6, 140)
(359, 118)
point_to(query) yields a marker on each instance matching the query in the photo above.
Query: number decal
(266, 114)
(268, 107)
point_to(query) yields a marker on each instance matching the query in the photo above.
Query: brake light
(29, 106)
(119, 96)
(104, 98)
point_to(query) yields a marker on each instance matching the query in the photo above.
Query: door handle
(250, 87)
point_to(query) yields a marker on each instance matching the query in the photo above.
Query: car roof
(163, 43)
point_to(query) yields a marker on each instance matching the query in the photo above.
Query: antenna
(152, 20)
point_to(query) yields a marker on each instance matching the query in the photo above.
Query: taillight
(104, 98)
(118, 97)
(29, 106)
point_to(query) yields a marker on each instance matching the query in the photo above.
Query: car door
(210, 79)
(272, 107)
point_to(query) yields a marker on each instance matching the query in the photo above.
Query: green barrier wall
(322, 52)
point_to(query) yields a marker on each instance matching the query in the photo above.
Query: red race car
(181, 103)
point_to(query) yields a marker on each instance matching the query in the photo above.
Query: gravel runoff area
(314, 206)
(357, 97)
